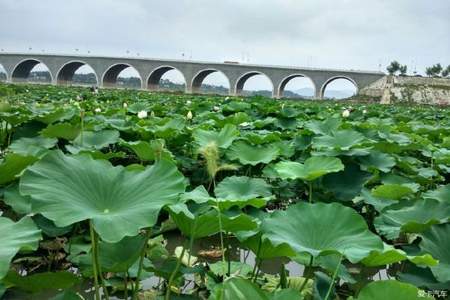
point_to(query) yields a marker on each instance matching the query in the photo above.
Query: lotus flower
(98, 110)
(125, 105)
(189, 115)
(142, 114)
(346, 113)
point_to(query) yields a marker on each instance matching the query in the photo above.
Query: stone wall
(418, 90)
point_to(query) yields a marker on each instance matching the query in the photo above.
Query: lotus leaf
(320, 229)
(313, 168)
(252, 155)
(22, 235)
(436, 241)
(68, 189)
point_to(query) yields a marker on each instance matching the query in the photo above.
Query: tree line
(437, 70)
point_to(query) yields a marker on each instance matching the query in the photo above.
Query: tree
(446, 71)
(393, 68)
(434, 70)
(403, 69)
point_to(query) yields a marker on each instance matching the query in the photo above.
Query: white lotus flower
(142, 114)
(243, 124)
(227, 98)
(98, 110)
(345, 113)
(78, 97)
(125, 105)
(188, 102)
(189, 115)
(216, 108)
(364, 111)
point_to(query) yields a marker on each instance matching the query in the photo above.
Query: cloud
(351, 34)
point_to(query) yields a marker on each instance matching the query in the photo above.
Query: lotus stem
(126, 286)
(254, 274)
(174, 273)
(221, 236)
(306, 276)
(99, 268)
(94, 258)
(334, 277)
(141, 264)
(81, 126)
(310, 191)
(191, 241)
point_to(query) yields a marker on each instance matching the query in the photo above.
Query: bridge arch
(23, 68)
(156, 74)
(284, 82)
(240, 83)
(110, 76)
(3, 73)
(67, 71)
(200, 77)
(334, 78)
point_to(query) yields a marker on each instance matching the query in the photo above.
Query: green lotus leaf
(391, 178)
(67, 295)
(117, 257)
(22, 235)
(391, 255)
(170, 128)
(93, 140)
(320, 229)
(397, 138)
(236, 268)
(341, 140)
(313, 168)
(248, 154)
(149, 151)
(42, 281)
(421, 277)
(259, 137)
(392, 191)
(70, 189)
(35, 146)
(20, 204)
(61, 130)
(326, 127)
(199, 221)
(442, 194)
(377, 160)
(391, 289)
(198, 195)
(286, 148)
(346, 184)
(12, 165)
(412, 219)
(49, 228)
(242, 191)
(436, 241)
(53, 115)
(223, 139)
(238, 288)
(378, 203)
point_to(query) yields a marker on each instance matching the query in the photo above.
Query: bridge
(107, 69)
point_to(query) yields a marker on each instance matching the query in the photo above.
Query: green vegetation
(93, 185)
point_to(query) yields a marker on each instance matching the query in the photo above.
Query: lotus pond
(135, 195)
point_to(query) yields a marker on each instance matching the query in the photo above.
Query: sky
(345, 34)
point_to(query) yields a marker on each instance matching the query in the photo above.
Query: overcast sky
(349, 34)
